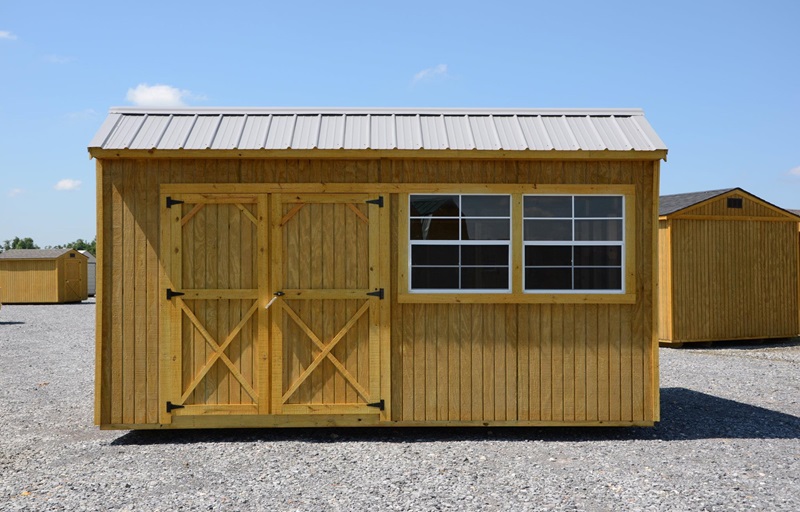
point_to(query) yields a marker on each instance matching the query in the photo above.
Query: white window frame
(459, 243)
(577, 243)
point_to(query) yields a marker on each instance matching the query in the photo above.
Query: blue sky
(718, 80)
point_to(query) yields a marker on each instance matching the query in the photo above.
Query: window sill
(516, 298)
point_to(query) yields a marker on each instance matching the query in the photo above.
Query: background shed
(91, 283)
(42, 276)
(207, 217)
(728, 264)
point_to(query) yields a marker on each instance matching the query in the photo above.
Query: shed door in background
(73, 283)
(326, 324)
(210, 320)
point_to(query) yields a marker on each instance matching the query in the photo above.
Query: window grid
(460, 243)
(572, 244)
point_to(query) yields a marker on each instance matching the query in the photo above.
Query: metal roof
(33, 254)
(376, 129)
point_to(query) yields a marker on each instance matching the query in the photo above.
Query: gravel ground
(729, 440)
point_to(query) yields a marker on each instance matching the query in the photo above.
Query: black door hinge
(380, 405)
(378, 201)
(171, 407)
(378, 293)
(171, 294)
(171, 202)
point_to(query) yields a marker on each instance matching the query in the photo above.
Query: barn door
(210, 315)
(326, 323)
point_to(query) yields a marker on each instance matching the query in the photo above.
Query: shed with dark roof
(728, 268)
(383, 267)
(41, 276)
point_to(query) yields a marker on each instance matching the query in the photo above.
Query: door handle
(273, 299)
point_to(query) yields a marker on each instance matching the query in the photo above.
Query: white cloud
(439, 71)
(68, 184)
(5, 34)
(14, 192)
(794, 172)
(159, 96)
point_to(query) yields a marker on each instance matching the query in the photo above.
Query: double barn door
(272, 304)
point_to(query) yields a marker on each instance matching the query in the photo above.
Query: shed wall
(449, 362)
(29, 281)
(734, 279)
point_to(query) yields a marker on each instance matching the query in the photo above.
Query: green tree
(19, 243)
(81, 245)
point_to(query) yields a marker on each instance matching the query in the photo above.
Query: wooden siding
(46, 281)
(476, 363)
(733, 279)
(664, 280)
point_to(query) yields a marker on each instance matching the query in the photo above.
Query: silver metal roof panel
(124, 131)
(377, 129)
(229, 132)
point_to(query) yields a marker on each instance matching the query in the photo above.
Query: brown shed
(324, 267)
(39, 276)
(728, 268)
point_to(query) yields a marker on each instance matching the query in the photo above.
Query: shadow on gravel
(11, 323)
(686, 415)
(777, 343)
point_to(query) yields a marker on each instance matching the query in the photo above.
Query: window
(520, 243)
(460, 242)
(573, 243)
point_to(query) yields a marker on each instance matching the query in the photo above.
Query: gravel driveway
(729, 440)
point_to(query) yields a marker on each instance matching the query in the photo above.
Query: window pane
(598, 278)
(488, 278)
(598, 206)
(434, 229)
(548, 256)
(486, 229)
(547, 206)
(548, 278)
(434, 205)
(598, 230)
(598, 255)
(444, 278)
(484, 255)
(486, 206)
(548, 230)
(434, 255)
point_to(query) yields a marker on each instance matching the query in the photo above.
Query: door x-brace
(219, 352)
(326, 352)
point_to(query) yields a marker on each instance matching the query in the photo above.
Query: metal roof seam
(576, 146)
(189, 132)
(315, 144)
(394, 131)
(521, 132)
(291, 133)
(266, 132)
(238, 142)
(596, 132)
(498, 144)
(472, 141)
(210, 141)
(419, 132)
(136, 132)
(622, 134)
(163, 132)
(446, 143)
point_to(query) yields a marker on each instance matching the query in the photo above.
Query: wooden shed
(344, 267)
(41, 276)
(729, 265)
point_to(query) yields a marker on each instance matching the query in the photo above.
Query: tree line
(28, 243)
